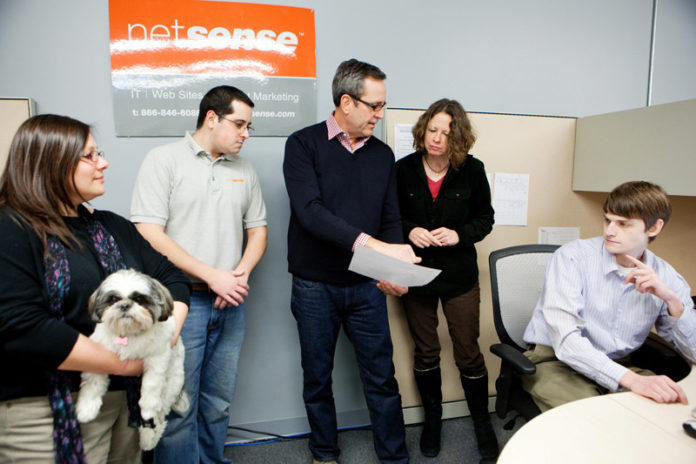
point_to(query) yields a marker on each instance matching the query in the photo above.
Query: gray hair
(349, 78)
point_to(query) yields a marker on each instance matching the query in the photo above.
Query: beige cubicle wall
(654, 143)
(542, 147)
(13, 111)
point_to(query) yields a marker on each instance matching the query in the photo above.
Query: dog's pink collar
(121, 341)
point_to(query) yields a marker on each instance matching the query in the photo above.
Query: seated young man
(601, 298)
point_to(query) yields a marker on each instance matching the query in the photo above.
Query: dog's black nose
(125, 305)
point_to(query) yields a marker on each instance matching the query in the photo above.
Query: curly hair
(461, 135)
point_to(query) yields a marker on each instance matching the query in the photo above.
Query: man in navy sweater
(342, 189)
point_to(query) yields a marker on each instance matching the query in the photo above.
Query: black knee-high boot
(430, 387)
(476, 391)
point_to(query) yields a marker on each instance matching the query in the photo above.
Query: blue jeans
(320, 310)
(213, 340)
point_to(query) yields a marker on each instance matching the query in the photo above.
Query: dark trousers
(321, 310)
(462, 315)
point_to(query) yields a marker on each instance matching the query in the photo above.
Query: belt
(199, 287)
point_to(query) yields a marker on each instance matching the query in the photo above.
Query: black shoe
(430, 387)
(486, 439)
(430, 441)
(476, 391)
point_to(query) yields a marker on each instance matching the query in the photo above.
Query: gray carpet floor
(458, 446)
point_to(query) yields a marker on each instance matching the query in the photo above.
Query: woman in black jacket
(445, 203)
(54, 253)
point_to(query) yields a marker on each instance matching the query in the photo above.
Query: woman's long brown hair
(38, 179)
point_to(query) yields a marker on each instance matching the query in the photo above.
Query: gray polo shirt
(204, 205)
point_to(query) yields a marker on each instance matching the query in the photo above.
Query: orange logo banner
(200, 37)
(165, 54)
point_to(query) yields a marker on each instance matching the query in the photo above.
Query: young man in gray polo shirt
(193, 201)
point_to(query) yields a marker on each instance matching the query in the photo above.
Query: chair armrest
(519, 362)
(661, 358)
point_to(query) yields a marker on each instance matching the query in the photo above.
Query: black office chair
(517, 276)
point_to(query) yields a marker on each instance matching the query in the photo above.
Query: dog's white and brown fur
(132, 311)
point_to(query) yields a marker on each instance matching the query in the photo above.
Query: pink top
(335, 130)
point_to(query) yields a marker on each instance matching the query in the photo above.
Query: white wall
(675, 51)
(550, 57)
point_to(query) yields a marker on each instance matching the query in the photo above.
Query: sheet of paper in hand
(378, 266)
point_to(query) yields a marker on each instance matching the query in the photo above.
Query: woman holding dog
(445, 203)
(54, 253)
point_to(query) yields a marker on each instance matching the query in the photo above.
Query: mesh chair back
(517, 276)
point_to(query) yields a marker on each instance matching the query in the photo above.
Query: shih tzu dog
(132, 311)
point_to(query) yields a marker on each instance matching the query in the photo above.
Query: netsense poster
(166, 54)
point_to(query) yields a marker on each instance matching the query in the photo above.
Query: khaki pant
(555, 383)
(26, 432)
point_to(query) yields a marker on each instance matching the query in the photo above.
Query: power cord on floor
(277, 438)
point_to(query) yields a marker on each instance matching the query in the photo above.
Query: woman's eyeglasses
(93, 157)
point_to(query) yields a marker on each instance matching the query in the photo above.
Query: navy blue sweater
(334, 196)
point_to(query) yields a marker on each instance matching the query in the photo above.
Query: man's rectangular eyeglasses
(240, 124)
(373, 106)
(93, 157)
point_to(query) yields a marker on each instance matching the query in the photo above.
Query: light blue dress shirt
(591, 317)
